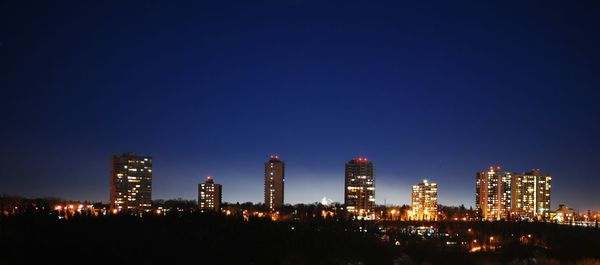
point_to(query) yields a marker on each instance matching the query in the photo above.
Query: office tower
(209, 195)
(131, 182)
(531, 195)
(359, 188)
(424, 201)
(493, 193)
(274, 183)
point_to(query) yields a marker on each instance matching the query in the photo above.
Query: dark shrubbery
(205, 238)
(178, 238)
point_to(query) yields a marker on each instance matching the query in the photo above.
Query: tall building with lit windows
(274, 183)
(131, 182)
(209, 195)
(493, 193)
(509, 195)
(531, 195)
(424, 201)
(359, 188)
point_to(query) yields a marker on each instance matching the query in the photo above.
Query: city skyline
(127, 159)
(436, 91)
(300, 132)
(499, 194)
(119, 160)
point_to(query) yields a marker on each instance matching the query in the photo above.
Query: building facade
(424, 201)
(564, 214)
(359, 188)
(493, 193)
(531, 195)
(131, 182)
(509, 195)
(209, 195)
(274, 183)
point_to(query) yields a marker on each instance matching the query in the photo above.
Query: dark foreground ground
(213, 239)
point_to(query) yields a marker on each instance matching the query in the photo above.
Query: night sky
(432, 90)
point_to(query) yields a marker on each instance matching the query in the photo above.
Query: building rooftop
(360, 160)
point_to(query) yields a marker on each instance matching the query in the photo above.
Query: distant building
(564, 214)
(359, 188)
(274, 183)
(531, 195)
(424, 201)
(493, 193)
(509, 195)
(131, 182)
(209, 195)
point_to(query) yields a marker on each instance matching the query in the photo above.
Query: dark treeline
(312, 234)
(183, 237)
(209, 238)
(516, 242)
(9, 202)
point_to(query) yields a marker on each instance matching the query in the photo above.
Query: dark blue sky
(429, 90)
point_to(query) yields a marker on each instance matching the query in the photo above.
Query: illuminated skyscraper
(209, 195)
(493, 193)
(424, 201)
(274, 183)
(131, 182)
(531, 195)
(509, 195)
(359, 188)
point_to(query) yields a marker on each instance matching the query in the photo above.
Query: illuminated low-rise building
(209, 195)
(564, 214)
(131, 182)
(359, 188)
(424, 201)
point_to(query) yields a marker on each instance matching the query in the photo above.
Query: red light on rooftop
(361, 159)
(275, 157)
(208, 177)
(495, 167)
